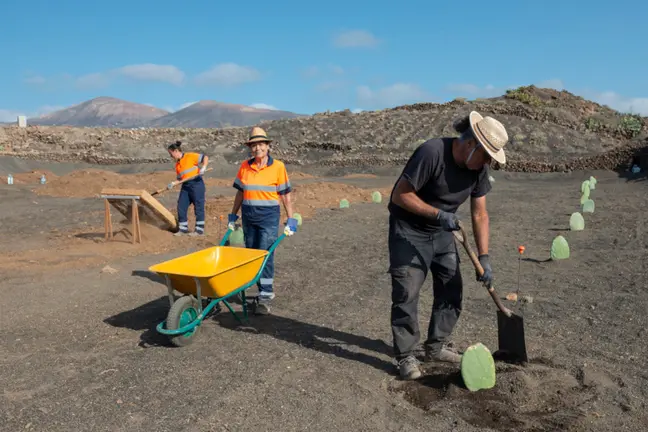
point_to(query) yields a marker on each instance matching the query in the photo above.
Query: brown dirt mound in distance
(33, 177)
(300, 175)
(534, 398)
(89, 183)
(306, 200)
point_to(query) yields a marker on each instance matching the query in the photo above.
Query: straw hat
(491, 134)
(258, 135)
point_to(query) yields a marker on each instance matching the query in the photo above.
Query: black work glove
(448, 221)
(487, 277)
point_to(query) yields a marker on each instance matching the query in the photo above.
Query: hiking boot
(408, 368)
(445, 354)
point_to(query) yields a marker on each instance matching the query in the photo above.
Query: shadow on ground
(319, 338)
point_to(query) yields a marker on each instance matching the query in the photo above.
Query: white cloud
(263, 106)
(147, 72)
(7, 115)
(393, 95)
(624, 104)
(355, 39)
(635, 105)
(489, 90)
(228, 74)
(152, 72)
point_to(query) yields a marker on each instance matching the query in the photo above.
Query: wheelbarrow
(218, 274)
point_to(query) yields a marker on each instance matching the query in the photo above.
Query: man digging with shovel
(440, 176)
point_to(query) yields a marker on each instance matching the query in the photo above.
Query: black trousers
(412, 253)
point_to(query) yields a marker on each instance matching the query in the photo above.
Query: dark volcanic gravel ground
(79, 351)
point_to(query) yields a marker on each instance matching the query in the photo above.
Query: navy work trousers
(192, 192)
(261, 234)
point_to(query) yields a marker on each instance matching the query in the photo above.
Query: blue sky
(308, 57)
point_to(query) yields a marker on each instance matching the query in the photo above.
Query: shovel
(510, 326)
(159, 191)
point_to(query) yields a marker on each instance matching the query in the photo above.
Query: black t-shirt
(439, 182)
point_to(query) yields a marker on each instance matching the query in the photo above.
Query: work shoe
(196, 234)
(445, 354)
(262, 309)
(181, 233)
(408, 368)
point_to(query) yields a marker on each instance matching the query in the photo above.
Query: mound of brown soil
(33, 177)
(89, 183)
(307, 199)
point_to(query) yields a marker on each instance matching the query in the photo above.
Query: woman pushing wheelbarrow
(261, 183)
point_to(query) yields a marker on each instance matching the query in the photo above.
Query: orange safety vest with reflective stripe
(262, 187)
(187, 166)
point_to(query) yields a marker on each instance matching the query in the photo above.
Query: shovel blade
(511, 341)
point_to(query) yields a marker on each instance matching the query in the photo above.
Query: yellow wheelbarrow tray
(217, 273)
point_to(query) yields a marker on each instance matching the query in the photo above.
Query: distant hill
(212, 114)
(101, 112)
(112, 112)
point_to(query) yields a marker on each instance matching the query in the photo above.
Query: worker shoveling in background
(190, 167)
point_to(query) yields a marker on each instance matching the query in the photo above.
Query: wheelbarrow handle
(463, 239)
(270, 250)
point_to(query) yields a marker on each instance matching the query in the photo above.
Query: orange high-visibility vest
(187, 166)
(262, 187)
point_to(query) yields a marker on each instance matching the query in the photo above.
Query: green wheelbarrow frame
(188, 320)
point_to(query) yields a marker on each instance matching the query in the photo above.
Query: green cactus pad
(344, 203)
(559, 248)
(592, 183)
(478, 368)
(576, 222)
(236, 237)
(376, 197)
(299, 218)
(588, 206)
(585, 185)
(584, 197)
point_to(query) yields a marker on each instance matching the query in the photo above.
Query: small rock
(108, 269)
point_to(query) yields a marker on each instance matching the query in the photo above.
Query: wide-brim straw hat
(257, 134)
(491, 134)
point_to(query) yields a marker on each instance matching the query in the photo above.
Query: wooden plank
(150, 202)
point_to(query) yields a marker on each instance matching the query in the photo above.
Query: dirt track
(80, 352)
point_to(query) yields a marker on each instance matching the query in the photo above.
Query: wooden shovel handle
(463, 239)
(159, 191)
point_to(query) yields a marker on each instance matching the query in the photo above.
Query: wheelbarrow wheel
(184, 311)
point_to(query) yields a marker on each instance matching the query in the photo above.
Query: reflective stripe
(199, 228)
(200, 222)
(183, 224)
(261, 188)
(283, 187)
(265, 281)
(265, 203)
